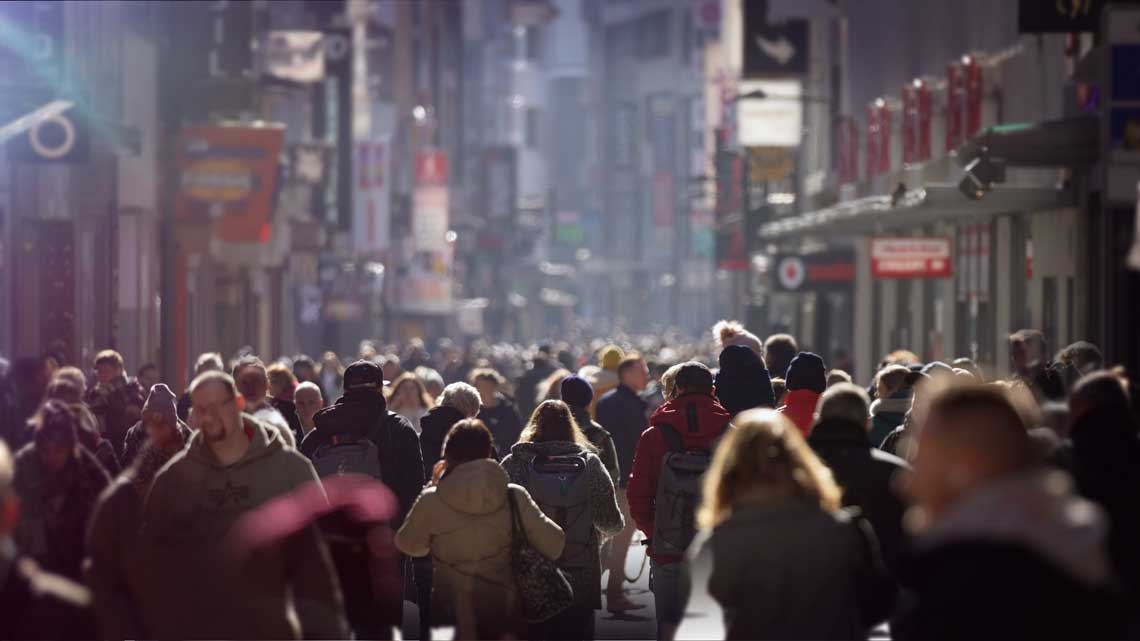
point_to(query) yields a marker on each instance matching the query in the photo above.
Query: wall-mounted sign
(824, 271)
(906, 257)
(775, 120)
(771, 49)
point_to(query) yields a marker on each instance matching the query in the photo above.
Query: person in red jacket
(699, 419)
(805, 381)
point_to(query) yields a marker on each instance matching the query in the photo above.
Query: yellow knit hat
(610, 357)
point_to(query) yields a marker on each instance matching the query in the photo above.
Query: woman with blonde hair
(409, 398)
(776, 554)
(556, 463)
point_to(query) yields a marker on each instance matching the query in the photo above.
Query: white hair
(308, 385)
(6, 470)
(463, 397)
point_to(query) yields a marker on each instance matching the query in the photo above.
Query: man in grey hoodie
(198, 588)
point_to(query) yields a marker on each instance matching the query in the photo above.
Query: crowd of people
(500, 488)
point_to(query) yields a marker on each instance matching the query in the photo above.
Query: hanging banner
(430, 202)
(911, 257)
(371, 196)
(972, 77)
(228, 175)
(954, 93)
(426, 286)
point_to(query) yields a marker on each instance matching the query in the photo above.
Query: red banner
(847, 154)
(228, 175)
(906, 257)
(954, 92)
(431, 168)
(973, 80)
(884, 137)
(924, 108)
(872, 159)
(909, 117)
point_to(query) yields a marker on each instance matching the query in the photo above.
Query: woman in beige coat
(464, 521)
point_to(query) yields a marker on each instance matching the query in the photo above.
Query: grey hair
(463, 397)
(844, 402)
(309, 385)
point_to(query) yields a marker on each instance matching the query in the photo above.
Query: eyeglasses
(214, 409)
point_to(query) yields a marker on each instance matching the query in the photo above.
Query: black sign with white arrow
(773, 49)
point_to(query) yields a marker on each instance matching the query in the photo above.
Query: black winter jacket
(622, 413)
(434, 427)
(504, 422)
(865, 474)
(356, 414)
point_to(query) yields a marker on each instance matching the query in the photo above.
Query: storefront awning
(917, 207)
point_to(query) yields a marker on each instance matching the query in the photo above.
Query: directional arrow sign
(773, 49)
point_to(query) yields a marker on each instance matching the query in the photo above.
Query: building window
(533, 126)
(653, 34)
(533, 44)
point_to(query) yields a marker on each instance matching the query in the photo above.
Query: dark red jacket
(799, 406)
(711, 421)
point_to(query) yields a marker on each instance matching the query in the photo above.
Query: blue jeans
(670, 584)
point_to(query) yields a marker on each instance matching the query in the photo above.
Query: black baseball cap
(363, 373)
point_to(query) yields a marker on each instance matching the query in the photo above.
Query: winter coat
(585, 577)
(887, 414)
(527, 386)
(182, 409)
(1018, 559)
(434, 427)
(117, 407)
(355, 414)
(504, 422)
(112, 570)
(600, 438)
(194, 588)
(55, 508)
(799, 406)
(136, 439)
(789, 570)
(268, 416)
(35, 604)
(622, 413)
(1105, 462)
(464, 523)
(711, 422)
(866, 475)
(288, 411)
(93, 442)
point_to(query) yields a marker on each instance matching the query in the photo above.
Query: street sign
(772, 49)
(770, 163)
(776, 120)
(824, 271)
(908, 257)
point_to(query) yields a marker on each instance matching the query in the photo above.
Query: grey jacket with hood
(196, 589)
(604, 509)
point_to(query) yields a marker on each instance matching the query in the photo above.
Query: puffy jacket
(355, 414)
(866, 475)
(799, 405)
(622, 413)
(711, 422)
(604, 510)
(464, 523)
(194, 589)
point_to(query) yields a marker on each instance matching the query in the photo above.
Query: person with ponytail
(463, 520)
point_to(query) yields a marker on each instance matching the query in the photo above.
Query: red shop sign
(954, 91)
(903, 257)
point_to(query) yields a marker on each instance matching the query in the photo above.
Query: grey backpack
(345, 454)
(678, 493)
(560, 485)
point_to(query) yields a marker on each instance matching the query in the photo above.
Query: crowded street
(569, 319)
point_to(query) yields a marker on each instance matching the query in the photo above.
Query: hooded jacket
(434, 427)
(604, 511)
(711, 422)
(55, 509)
(464, 523)
(136, 439)
(799, 406)
(112, 570)
(1019, 558)
(194, 588)
(866, 475)
(355, 414)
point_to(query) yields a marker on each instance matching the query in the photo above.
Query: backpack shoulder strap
(672, 438)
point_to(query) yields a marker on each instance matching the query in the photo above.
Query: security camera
(981, 174)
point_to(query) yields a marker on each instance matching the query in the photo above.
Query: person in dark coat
(578, 394)
(742, 383)
(159, 413)
(1003, 548)
(69, 389)
(541, 366)
(282, 384)
(892, 400)
(1104, 455)
(58, 483)
(866, 473)
(498, 413)
(114, 400)
(34, 604)
(457, 402)
(779, 350)
(806, 380)
(20, 397)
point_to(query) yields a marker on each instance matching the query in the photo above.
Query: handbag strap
(517, 530)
